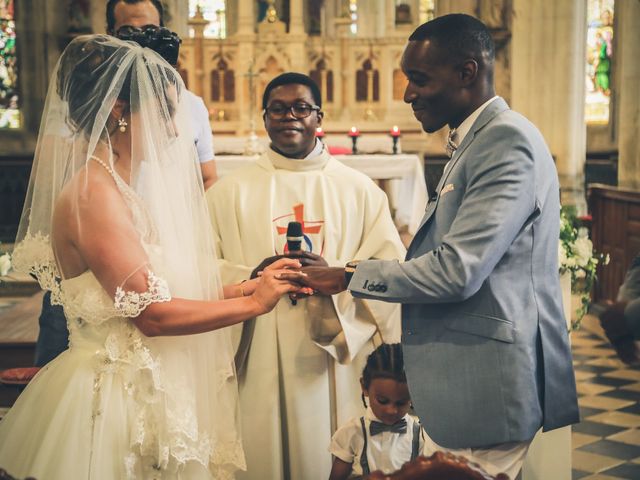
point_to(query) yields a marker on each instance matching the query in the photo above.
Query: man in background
(140, 13)
(621, 319)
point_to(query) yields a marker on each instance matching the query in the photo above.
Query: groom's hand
(324, 280)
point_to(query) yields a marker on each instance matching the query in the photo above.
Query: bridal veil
(184, 397)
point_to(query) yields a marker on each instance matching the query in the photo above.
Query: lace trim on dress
(131, 304)
(165, 433)
(34, 256)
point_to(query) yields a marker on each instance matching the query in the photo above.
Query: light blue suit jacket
(485, 340)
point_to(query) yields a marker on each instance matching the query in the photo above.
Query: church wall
(548, 71)
(539, 57)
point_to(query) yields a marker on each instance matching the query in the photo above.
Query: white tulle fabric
(118, 404)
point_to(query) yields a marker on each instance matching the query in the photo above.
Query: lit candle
(395, 131)
(354, 132)
(319, 132)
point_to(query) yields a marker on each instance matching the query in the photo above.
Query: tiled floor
(606, 443)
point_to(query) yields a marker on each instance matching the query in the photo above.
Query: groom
(485, 342)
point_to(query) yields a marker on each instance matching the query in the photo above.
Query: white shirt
(200, 124)
(467, 123)
(386, 451)
(464, 128)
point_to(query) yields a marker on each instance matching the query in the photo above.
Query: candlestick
(395, 135)
(354, 133)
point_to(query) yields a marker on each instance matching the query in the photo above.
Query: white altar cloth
(406, 186)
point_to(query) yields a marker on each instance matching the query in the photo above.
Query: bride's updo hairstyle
(84, 84)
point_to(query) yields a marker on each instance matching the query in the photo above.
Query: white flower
(562, 255)
(580, 273)
(5, 264)
(583, 249)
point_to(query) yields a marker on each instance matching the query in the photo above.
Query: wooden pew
(615, 230)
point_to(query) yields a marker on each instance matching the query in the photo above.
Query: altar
(400, 175)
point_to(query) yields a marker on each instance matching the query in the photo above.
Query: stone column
(246, 17)
(444, 7)
(390, 19)
(296, 22)
(177, 16)
(548, 83)
(628, 73)
(198, 23)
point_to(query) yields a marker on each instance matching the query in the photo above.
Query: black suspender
(415, 441)
(415, 445)
(364, 463)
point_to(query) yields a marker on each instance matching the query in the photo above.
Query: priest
(300, 365)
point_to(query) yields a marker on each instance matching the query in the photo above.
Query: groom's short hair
(458, 36)
(111, 7)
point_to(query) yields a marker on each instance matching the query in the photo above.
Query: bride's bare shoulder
(91, 195)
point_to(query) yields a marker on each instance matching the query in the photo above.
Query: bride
(115, 227)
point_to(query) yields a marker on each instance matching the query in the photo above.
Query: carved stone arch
(270, 62)
(399, 79)
(367, 82)
(223, 82)
(323, 76)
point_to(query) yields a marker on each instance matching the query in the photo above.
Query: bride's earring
(122, 123)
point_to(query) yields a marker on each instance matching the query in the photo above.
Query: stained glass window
(215, 12)
(599, 55)
(9, 97)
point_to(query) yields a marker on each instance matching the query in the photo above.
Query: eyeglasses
(278, 111)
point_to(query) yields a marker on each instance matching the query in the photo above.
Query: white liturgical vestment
(302, 369)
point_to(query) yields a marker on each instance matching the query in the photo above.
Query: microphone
(294, 236)
(294, 243)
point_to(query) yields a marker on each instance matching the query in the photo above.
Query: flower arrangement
(5, 264)
(577, 257)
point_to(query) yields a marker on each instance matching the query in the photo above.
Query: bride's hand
(271, 286)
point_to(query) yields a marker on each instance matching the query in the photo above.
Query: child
(386, 437)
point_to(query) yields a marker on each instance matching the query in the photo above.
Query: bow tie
(378, 427)
(451, 145)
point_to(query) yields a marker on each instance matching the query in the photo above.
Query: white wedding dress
(109, 407)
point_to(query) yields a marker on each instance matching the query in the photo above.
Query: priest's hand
(264, 264)
(323, 280)
(307, 259)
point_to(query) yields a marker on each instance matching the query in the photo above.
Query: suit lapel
(493, 109)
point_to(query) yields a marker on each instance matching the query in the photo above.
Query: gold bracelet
(241, 289)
